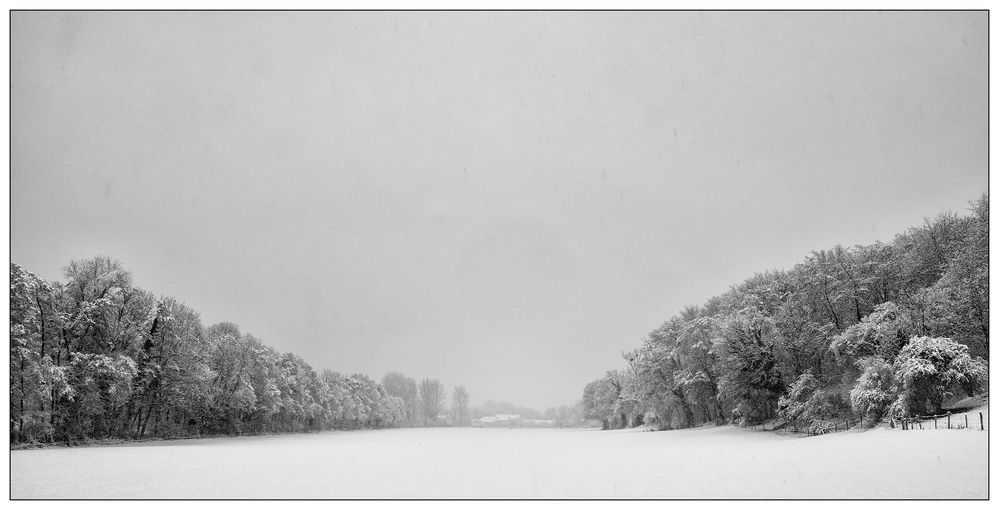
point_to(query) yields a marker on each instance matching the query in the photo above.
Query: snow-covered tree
(600, 400)
(96, 356)
(883, 332)
(929, 370)
(875, 389)
(399, 385)
(753, 381)
(735, 355)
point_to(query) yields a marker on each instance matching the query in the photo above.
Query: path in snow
(712, 462)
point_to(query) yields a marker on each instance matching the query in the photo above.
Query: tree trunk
(20, 414)
(142, 427)
(688, 413)
(41, 325)
(832, 310)
(706, 411)
(58, 363)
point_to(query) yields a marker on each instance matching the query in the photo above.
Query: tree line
(98, 357)
(882, 331)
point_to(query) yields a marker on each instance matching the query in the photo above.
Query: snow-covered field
(712, 462)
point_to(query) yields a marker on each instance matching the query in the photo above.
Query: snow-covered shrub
(929, 370)
(807, 403)
(900, 407)
(792, 406)
(651, 420)
(874, 391)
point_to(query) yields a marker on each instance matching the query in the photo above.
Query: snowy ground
(712, 462)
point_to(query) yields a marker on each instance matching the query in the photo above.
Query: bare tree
(431, 400)
(459, 406)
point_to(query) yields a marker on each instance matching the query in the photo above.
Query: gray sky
(501, 200)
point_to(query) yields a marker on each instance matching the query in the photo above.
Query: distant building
(511, 420)
(499, 418)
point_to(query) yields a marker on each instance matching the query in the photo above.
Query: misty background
(501, 200)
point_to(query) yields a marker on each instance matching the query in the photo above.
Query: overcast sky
(501, 200)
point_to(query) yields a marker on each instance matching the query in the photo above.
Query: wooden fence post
(948, 422)
(920, 425)
(981, 420)
(965, 420)
(934, 422)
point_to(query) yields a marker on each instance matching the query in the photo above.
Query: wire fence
(950, 420)
(946, 420)
(814, 429)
